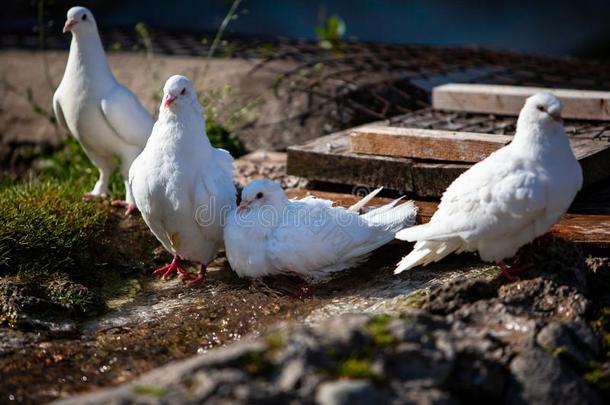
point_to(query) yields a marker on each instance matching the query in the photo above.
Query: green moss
(256, 363)
(356, 367)
(377, 327)
(415, 300)
(600, 379)
(275, 341)
(45, 229)
(150, 390)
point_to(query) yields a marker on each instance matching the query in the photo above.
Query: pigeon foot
(130, 207)
(511, 272)
(200, 277)
(168, 270)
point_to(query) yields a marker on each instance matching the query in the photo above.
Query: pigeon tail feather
(426, 252)
(365, 200)
(391, 217)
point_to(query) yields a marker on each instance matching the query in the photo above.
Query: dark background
(554, 27)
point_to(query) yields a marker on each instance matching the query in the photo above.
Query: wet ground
(154, 322)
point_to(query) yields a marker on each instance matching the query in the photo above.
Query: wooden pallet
(496, 99)
(332, 159)
(589, 230)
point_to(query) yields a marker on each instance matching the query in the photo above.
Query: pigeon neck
(188, 131)
(87, 53)
(537, 140)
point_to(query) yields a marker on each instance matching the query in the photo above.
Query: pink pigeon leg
(131, 208)
(169, 269)
(200, 276)
(511, 272)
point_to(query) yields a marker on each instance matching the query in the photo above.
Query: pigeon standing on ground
(507, 200)
(104, 116)
(270, 234)
(182, 185)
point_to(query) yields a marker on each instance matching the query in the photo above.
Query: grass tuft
(356, 367)
(377, 327)
(45, 228)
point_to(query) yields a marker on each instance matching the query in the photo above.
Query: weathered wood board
(428, 144)
(498, 99)
(588, 230)
(467, 147)
(329, 158)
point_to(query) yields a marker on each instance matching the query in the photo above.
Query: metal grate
(429, 118)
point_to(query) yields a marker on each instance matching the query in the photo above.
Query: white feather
(182, 185)
(508, 199)
(309, 237)
(104, 116)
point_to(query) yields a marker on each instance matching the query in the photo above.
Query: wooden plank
(330, 159)
(498, 99)
(432, 179)
(426, 143)
(588, 230)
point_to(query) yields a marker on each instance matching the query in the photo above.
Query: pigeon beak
(70, 22)
(243, 207)
(169, 99)
(557, 117)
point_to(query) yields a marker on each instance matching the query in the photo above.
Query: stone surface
(348, 393)
(542, 379)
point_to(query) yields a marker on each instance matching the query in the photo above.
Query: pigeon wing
(59, 114)
(315, 239)
(127, 117)
(485, 203)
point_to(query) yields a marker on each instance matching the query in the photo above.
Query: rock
(76, 298)
(291, 375)
(484, 349)
(348, 393)
(475, 378)
(457, 294)
(412, 362)
(574, 342)
(542, 379)
(21, 308)
(343, 331)
(558, 260)
(544, 298)
(414, 395)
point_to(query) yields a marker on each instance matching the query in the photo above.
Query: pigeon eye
(84, 17)
(183, 92)
(540, 108)
(259, 195)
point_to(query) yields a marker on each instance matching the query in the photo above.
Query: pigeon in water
(507, 200)
(181, 184)
(270, 234)
(105, 117)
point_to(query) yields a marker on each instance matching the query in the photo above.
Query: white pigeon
(105, 117)
(507, 200)
(181, 184)
(270, 234)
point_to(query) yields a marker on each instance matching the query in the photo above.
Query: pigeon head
(261, 193)
(80, 21)
(177, 92)
(543, 109)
